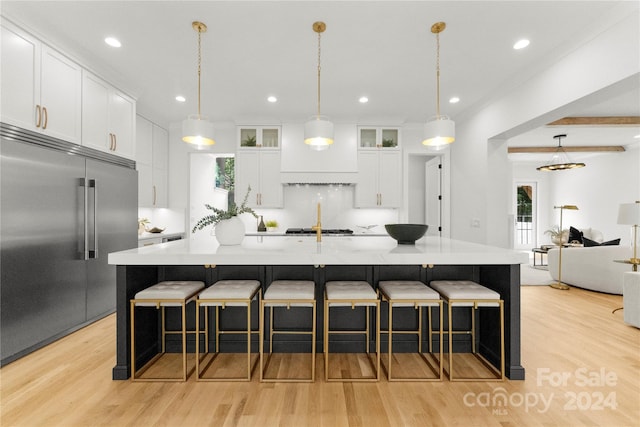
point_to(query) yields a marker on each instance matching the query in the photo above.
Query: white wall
(598, 189)
(612, 56)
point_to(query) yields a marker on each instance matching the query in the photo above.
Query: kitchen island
(268, 258)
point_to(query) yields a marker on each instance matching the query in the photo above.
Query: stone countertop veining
(302, 250)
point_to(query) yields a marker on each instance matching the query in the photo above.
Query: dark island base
(504, 279)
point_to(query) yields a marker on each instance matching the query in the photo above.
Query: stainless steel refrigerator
(63, 208)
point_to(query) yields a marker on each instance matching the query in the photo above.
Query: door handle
(38, 116)
(46, 117)
(84, 242)
(94, 253)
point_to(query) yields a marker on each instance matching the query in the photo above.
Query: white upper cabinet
(108, 118)
(152, 158)
(379, 179)
(259, 169)
(41, 88)
(371, 137)
(267, 137)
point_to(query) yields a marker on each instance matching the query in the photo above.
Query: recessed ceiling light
(180, 98)
(454, 100)
(272, 99)
(113, 42)
(363, 99)
(521, 44)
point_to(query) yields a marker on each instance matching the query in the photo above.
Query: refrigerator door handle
(83, 242)
(93, 253)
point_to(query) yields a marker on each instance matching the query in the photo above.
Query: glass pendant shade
(197, 130)
(439, 132)
(318, 133)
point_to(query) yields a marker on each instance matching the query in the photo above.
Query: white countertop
(302, 250)
(146, 235)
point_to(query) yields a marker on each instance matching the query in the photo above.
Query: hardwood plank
(572, 333)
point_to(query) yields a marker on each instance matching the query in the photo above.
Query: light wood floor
(569, 337)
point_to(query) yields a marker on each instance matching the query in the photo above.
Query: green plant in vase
(221, 214)
(249, 141)
(388, 143)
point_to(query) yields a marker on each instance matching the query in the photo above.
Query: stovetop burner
(324, 231)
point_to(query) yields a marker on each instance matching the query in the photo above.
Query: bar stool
(161, 295)
(352, 294)
(287, 293)
(409, 293)
(222, 294)
(465, 293)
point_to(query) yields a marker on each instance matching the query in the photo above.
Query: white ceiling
(381, 49)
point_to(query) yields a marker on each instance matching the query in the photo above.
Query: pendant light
(560, 160)
(440, 130)
(318, 131)
(197, 129)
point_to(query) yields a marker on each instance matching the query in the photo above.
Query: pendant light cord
(199, 66)
(438, 74)
(319, 68)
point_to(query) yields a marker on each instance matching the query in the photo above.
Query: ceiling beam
(598, 121)
(578, 149)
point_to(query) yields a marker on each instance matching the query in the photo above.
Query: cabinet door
(160, 166)
(95, 104)
(366, 195)
(121, 124)
(61, 96)
(271, 191)
(144, 141)
(390, 179)
(247, 168)
(19, 68)
(145, 185)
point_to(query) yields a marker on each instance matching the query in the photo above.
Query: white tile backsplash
(337, 201)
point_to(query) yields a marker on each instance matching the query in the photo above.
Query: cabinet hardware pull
(115, 142)
(46, 117)
(154, 195)
(110, 142)
(38, 116)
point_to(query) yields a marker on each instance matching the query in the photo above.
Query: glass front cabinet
(259, 137)
(370, 137)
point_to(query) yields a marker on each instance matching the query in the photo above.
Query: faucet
(318, 227)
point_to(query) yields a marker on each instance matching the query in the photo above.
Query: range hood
(337, 165)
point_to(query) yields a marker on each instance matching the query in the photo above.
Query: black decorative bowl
(406, 234)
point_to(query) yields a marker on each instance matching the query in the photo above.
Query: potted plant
(271, 224)
(558, 237)
(388, 143)
(249, 141)
(229, 228)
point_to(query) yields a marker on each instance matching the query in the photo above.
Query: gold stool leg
(390, 336)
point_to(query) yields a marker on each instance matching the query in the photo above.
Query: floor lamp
(559, 284)
(629, 214)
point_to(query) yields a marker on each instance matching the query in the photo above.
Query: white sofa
(591, 267)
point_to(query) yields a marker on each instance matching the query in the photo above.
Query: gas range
(324, 231)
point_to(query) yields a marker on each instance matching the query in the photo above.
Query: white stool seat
(345, 291)
(466, 290)
(288, 293)
(223, 292)
(409, 290)
(169, 290)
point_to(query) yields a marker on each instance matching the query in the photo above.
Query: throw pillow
(575, 235)
(589, 242)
